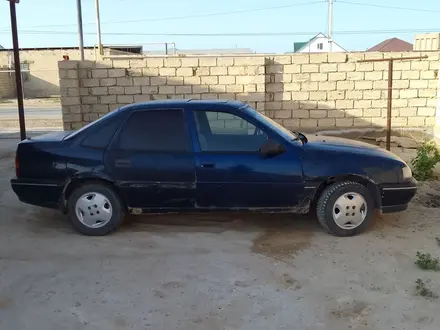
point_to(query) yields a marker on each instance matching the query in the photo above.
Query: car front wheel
(345, 208)
(95, 209)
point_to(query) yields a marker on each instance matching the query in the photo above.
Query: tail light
(17, 166)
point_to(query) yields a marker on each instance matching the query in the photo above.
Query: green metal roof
(298, 45)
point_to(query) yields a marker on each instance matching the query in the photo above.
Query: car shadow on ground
(43, 220)
(219, 222)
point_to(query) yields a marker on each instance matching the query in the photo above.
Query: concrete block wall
(299, 90)
(7, 85)
(336, 90)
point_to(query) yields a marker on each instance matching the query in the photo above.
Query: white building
(427, 42)
(318, 44)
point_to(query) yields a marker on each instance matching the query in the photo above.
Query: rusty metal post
(17, 64)
(390, 89)
(390, 103)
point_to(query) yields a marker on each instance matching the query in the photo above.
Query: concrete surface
(43, 112)
(39, 113)
(212, 271)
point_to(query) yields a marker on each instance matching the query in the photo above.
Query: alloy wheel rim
(93, 210)
(350, 210)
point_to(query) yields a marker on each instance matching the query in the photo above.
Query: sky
(357, 24)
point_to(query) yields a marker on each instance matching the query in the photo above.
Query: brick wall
(298, 90)
(7, 85)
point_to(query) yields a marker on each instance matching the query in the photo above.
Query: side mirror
(271, 148)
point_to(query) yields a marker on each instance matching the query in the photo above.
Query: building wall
(427, 42)
(7, 85)
(313, 47)
(43, 65)
(299, 90)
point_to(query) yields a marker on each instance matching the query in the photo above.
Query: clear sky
(57, 20)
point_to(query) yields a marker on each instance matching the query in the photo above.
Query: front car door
(230, 170)
(151, 160)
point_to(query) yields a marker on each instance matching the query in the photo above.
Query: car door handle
(123, 163)
(209, 165)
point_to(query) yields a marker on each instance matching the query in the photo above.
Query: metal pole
(22, 82)
(390, 88)
(80, 29)
(330, 24)
(166, 48)
(98, 27)
(390, 102)
(17, 64)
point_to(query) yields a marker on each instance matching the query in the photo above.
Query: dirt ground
(213, 272)
(34, 102)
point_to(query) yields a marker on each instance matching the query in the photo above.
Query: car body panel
(246, 179)
(196, 180)
(346, 157)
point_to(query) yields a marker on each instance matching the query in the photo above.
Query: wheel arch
(372, 187)
(79, 180)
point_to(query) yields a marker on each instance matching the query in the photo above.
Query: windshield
(74, 133)
(284, 132)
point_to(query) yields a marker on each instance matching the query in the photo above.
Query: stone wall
(299, 90)
(7, 85)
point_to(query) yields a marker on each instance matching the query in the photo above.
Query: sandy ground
(39, 102)
(213, 272)
(37, 114)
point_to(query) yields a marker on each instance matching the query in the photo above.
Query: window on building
(320, 46)
(155, 130)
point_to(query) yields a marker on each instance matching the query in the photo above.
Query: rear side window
(101, 137)
(155, 130)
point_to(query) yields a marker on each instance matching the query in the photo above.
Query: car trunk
(35, 157)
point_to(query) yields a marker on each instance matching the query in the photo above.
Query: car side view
(195, 155)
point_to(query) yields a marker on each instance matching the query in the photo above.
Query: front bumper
(38, 192)
(396, 197)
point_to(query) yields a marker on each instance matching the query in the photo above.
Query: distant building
(392, 45)
(429, 41)
(1, 47)
(220, 51)
(318, 44)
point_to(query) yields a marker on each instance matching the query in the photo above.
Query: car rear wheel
(94, 209)
(345, 208)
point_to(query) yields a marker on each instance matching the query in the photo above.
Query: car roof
(180, 103)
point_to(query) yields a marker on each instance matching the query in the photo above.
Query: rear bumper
(396, 197)
(39, 193)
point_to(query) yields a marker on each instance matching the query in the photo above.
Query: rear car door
(151, 162)
(230, 170)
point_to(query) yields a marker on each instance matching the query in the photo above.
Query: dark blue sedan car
(192, 155)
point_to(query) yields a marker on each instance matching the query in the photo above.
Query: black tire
(324, 208)
(117, 215)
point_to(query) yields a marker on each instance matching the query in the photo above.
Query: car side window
(227, 123)
(154, 130)
(222, 132)
(101, 137)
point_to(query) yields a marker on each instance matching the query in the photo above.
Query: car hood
(336, 144)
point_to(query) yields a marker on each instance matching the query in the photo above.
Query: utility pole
(80, 29)
(98, 27)
(330, 24)
(17, 64)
